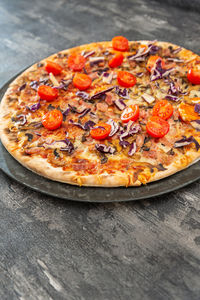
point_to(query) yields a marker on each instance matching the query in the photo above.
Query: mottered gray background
(57, 249)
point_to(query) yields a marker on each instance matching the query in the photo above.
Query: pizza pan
(92, 194)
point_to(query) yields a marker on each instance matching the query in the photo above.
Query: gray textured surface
(54, 249)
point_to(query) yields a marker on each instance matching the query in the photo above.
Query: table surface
(56, 249)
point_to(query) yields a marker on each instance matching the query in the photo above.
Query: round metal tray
(92, 194)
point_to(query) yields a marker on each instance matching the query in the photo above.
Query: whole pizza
(118, 113)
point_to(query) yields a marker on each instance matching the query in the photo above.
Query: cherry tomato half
(130, 113)
(163, 109)
(152, 60)
(101, 132)
(187, 112)
(82, 81)
(193, 76)
(126, 79)
(157, 127)
(76, 62)
(52, 67)
(53, 119)
(116, 61)
(47, 93)
(120, 43)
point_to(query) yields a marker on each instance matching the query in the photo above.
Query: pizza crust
(43, 168)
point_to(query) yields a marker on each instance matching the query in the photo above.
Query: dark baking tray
(92, 194)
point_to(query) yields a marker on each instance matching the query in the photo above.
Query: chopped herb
(30, 136)
(50, 107)
(104, 159)
(56, 153)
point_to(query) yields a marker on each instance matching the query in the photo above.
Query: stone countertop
(56, 249)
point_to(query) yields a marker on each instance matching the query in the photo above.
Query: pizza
(116, 113)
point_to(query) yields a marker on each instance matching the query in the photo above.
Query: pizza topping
(174, 59)
(76, 62)
(120, 43)
(197, 108)
(139, 74)
(89, 124)
(193, 76)
(187, 141)
(69, 147)
(102, 107)
(35, 84)
(82, 81)
(122, 92)
(47, 93)
(143, 51)
(163, 109)
(105, 149)
(52, 119)
(187, 112)
(53, 80)
(107, 77)
(148, 98)
(52, 67)
(34, 107)
(152, 61)
(157, 127)
(172, 98)
(126, 79)
(116, 61)
(66, 112)
(83, 95)
(132, 149)
(101, 131)
(131, 129)
(102, 93)
(95, 60)
(114, 127)
(84, 112)
(63, 85)
(21, 119)
(130, 113)
(22, 87)
(177, 50)
(87, 54)
(119, 103)
(196, 124)
(158, 72)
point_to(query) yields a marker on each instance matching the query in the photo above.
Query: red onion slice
(114, 127)
(196, 124)
(187, 141)
(132, 149)
(87, 54)
(105, 149)
(119, 103)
